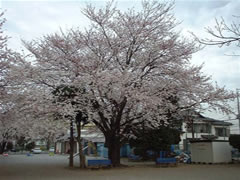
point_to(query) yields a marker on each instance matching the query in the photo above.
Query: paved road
(37, 167)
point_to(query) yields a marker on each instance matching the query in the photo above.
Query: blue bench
(99, 162)
(166, 161)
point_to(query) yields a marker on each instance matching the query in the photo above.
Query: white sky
(31, 19)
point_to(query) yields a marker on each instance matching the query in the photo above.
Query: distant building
(199, 127)
(93, 144)
(40, 143)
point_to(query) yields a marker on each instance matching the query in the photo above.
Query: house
(89, 140)
(199, 127)
(40, 143)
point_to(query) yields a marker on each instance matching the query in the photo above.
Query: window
(222, 132)
(200, 128)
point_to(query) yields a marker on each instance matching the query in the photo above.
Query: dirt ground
(36, 167)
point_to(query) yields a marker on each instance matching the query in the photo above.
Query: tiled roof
(199, 117)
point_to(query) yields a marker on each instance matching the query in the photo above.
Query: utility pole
(238, 109)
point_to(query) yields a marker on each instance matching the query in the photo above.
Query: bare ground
(36, 167)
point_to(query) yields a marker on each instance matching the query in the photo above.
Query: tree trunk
(114, 151)
(48, 142)
(111, 130)
(71, 144)
(192, 128)
(81, 154)
(2, 146)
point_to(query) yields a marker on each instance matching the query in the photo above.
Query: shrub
(234, 141)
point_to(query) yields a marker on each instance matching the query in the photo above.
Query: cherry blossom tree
(7, 125)
(13, 123)
(17, 101)
(68, 98)
(8, 128)
(131, 64)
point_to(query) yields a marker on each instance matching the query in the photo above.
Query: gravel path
(36, 167)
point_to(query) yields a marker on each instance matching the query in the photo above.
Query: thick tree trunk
(111, 130)
(81, 154)
(114, 151)
(48, 142)
(192, 126)
(2, 146)
(71, 144)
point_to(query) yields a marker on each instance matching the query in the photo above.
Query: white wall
(59, 147)
(201, 152)
(222, 152)
(211, 152)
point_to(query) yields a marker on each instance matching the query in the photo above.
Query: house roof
(203, 140)
(199, 117)
(212, 121)
(95, 136)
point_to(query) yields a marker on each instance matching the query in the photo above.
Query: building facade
(199, 127)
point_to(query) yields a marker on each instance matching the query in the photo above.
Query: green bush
(155, 140)
(30, 146)
(234, 141)
(9, 146)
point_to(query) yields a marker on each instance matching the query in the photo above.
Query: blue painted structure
(165, 160)
(163, 154)
(102, 151)
(125, 150)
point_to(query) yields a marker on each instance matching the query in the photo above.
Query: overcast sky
(31, 19)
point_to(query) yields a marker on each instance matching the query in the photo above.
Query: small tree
(234, 141)
(9, 146)
(156, 140)
(30, 146)
(21, 142)
(67, 95)
(64, 95)
(81, 119)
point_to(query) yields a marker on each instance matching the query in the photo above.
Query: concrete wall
(202, 152)
(221, 152)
